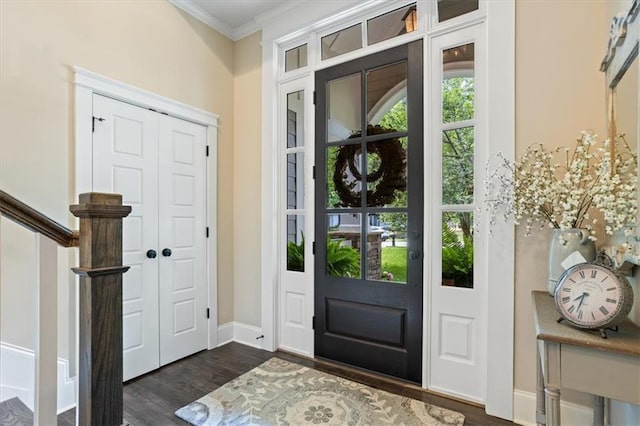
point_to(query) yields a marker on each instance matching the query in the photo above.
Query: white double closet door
(158, 164)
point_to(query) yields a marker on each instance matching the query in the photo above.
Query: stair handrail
(100, 351)
(32, 219)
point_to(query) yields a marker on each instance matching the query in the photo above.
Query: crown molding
(204, 17)
(242, 31)
(237, 33)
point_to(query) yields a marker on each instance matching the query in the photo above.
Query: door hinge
(314, 97)
(207, 232)
(207, 150)
(93, 123)
(208, 313)
(313, 247)
(313, 172)
(313, 322)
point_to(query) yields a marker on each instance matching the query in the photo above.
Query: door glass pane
(457, 249)
(387, 173)
(344, 236)
(387, 98)
(392, 24)
(344, 180)
(295, 58)
(344, 111)
(457, 166)
(458, 85)
(295, 119)
(295, 242)
(387, 248)
(448, 9)
(342, 41)
(295, 181)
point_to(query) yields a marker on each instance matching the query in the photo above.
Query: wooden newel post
(100, 271)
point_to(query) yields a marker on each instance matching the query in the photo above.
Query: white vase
(568, 247)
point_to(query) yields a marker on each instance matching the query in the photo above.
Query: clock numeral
(566, 299)
(593, 317)
(571, 308)
(593, 274)
(581, 274)
(566, 290)
(611, 300)
(604, 310)
(579, 315)
(604, 279)
(572, 280)
(611, 288)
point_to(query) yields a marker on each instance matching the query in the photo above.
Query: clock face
(589, 296)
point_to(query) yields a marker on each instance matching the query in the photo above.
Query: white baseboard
(524, 411)
(238, 332)
(17, 370)
(225, 333)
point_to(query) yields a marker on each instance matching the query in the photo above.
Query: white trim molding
(501, 246)
(238, 332)
(524, 410)
(124, 92)
(227, 30)
(17, 377)
(88, 83)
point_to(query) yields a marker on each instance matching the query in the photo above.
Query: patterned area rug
(283, 393)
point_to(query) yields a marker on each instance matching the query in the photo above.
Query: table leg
(541, 418)
(598, 410)
(552, 403)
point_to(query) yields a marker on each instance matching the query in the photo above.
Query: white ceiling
(235, 19)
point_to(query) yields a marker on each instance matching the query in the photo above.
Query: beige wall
(559, 92)
(247, 172)
(151, 45)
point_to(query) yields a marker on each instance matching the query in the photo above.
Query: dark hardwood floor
(152, 399)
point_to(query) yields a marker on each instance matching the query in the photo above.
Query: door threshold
(371, 378)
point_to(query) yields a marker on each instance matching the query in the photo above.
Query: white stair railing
(99, 393)
(46, 348)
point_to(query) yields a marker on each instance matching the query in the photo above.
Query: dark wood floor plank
(13, 412)
(153, 398)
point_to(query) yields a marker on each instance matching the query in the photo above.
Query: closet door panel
(125, 161)
(182, 251)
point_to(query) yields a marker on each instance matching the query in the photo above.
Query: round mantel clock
(593, 296)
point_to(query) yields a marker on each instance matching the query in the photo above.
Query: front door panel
(369, 201)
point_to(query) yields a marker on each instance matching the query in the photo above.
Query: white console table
(584, 361)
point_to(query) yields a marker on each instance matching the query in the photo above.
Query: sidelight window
(294, 181)
(458, 174)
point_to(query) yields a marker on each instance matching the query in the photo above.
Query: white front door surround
(495, 23)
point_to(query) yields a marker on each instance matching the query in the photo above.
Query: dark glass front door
(369, 212)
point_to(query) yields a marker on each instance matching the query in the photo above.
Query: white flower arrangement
(537, 189)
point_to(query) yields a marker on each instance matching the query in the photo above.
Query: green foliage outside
(458, 180)
(342, 261)
(457, 257)
(458, 99)
(396, 118)
(394, 260)
(295, 256)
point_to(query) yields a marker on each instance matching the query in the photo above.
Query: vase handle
(585, 236)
